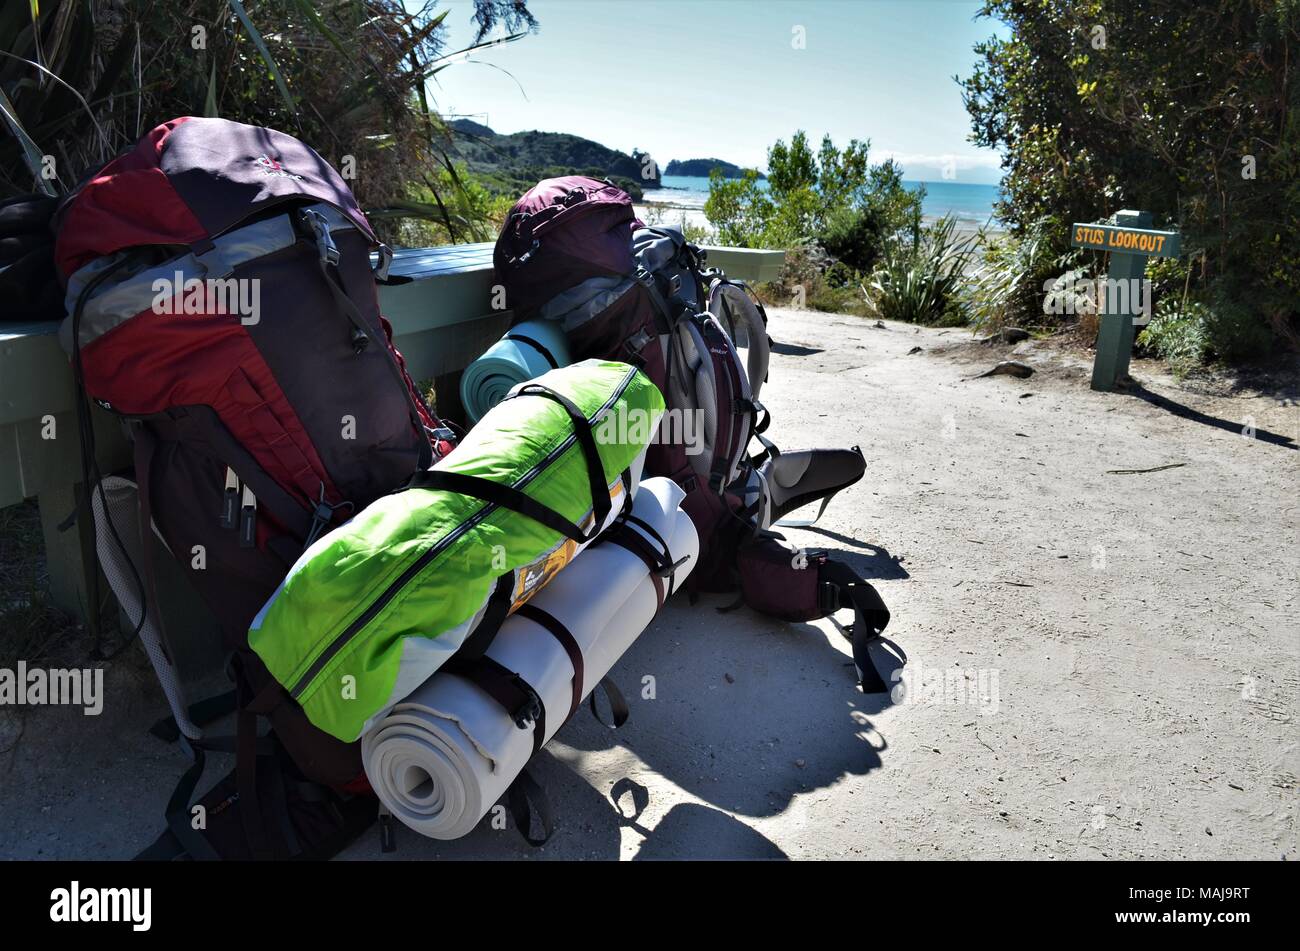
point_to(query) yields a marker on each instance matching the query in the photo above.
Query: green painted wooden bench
(441, 321)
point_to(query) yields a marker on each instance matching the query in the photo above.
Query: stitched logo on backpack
(270, 166)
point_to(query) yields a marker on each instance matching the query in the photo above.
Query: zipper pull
(248, 520)
(230, 501)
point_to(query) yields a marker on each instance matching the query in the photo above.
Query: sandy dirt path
(1100, 665)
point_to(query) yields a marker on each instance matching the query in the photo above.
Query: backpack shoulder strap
(737, 309)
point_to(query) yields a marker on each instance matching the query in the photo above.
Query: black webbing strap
(363, 335)
(250, 812)
(668, 567)
(504, 496)
(178, 816)
(278, 800)
(619, 534)
(508, 497)
(143, 444)
(652, 532)
(504, 686)
(600, 502)
(842, 587)
(618, 708)
(562, 634)
(177, 813)
(498, 607)
(769, 451)
(536, 345)
(524, 796)
(661, 304)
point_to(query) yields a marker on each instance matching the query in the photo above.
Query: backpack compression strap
(508, 497)
(536, 345)
(363, 334)
(658, 561)
(522, 702)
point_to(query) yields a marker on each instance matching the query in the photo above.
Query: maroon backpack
(222, 303)
(572, 251)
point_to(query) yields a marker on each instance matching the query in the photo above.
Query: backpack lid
(557, 205)
(191, 179)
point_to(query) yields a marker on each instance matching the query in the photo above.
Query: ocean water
(967, 202)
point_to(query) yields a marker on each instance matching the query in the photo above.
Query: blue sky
(725, 78)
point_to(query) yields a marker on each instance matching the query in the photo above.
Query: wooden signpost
(1130, 242)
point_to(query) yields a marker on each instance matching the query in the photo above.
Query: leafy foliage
(1178, 336)
(835, 197)
(1009, 283)
(920, 281)
(1184, 110)
(87, 77)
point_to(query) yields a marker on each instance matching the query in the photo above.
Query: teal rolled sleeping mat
(527, 351)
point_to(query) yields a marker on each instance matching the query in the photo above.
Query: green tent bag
(376, 606)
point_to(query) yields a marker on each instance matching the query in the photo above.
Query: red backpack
(223, 305)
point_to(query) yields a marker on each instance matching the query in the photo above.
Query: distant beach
(681, 202)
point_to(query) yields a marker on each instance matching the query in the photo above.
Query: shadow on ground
(713, 717)
(1186, 412)
(686, 825)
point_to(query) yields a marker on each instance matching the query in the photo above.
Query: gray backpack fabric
(741, 316)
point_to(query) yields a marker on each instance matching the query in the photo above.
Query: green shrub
(802, 284)
(1174, 127)
(1233, 328)
(347, 78)
(1014, 277)
(834, 195)
(1203, 330)
(886, 211)
(1177, 335)
(920, 281)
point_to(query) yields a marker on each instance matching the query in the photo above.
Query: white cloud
(962, 162)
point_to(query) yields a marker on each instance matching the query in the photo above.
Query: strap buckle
(637, 342)
(385, 259)
(527, 255)
(320, 230)
(670, 567)
(530, 710)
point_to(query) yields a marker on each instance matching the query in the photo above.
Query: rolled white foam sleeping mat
(443, 756)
